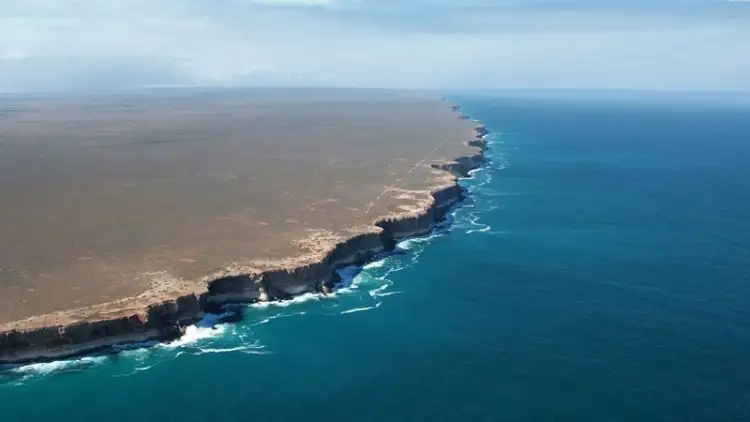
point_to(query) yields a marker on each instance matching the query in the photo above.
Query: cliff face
(166, 320)
(160, 321)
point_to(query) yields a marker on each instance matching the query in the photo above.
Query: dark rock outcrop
(160, 321)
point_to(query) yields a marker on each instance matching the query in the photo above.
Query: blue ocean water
(599, 272)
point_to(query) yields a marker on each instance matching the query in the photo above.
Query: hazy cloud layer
(97, 44)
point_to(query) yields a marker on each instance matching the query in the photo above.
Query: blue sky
(548, 44)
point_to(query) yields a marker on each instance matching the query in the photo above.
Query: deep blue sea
(599, 272)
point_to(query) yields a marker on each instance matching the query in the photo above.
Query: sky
(57, 45)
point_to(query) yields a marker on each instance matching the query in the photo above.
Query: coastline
(166, 320)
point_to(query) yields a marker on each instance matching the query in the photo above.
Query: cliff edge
(99, 328)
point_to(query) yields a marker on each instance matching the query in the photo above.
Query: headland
(132, 216)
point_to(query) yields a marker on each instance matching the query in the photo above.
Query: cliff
(167, 320)
(160, 321)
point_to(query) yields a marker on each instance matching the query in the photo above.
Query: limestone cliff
(167, 320)
(160, 321)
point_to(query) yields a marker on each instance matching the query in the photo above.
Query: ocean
(599, 271)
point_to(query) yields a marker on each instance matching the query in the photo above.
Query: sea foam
(362, 309)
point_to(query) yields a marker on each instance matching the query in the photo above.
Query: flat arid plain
(111, 202)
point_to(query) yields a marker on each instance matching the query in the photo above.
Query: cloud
(82, 44)
(288, 3)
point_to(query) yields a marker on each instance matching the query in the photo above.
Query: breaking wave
(20, 374)
(365, 308)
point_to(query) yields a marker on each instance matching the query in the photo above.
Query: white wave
(134, 371)
(306, 297)
(473, 173)
(246, 348)
(46, 368)
(479, 183)
(194, 334)
(354, 277)
(406, 244)
(143, 359)
(219, 350)
(139, 355)
(272, 317)
(409, 244)
(473, 219)
(484, 229)
(374, 264)
(366, 308)
(393, 270)
(263, 321)
(208, 327)
(365, 279)
(385, 294)
(377, 292)
(381, 291)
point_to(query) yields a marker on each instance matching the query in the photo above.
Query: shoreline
(167, 320)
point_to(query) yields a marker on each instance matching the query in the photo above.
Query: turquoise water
(600, 271)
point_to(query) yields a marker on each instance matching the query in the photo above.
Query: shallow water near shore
(598, 271)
